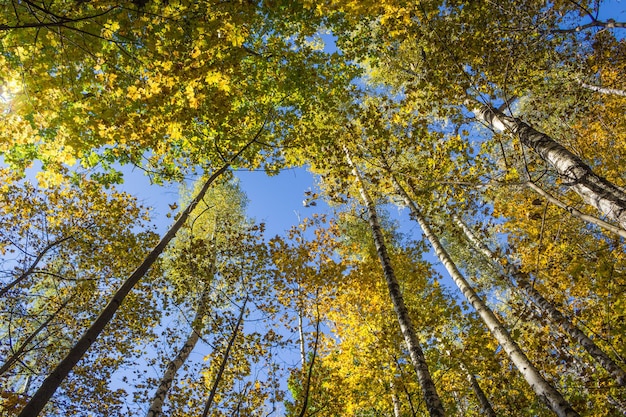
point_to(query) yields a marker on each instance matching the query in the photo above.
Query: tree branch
(609, 24)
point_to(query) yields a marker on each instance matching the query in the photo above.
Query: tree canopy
(497, 126)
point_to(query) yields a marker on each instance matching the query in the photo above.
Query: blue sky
(276, 200)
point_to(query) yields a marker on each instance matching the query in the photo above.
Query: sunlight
(9, 90)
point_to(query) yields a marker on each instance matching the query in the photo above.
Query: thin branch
(220, 371)
(609, 24)
(33, 265)
(61, 22)
(584, 9)
(575, 212)
(307, 387)
(16, 354)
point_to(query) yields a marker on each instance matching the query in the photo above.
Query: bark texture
(546, 307)
(543, 389)
(603, 90)
(485, 406)
(433, 402)
(595, 190)
(397, 409)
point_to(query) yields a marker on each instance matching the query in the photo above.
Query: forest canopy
(500, 127)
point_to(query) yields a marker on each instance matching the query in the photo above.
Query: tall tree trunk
(197, 325)
(395, 401)
(485, 406)
(301, 337)
(433, 403)
(595, 190)
(546, 306)
(542, 388)
(225, 358)
(58, 375)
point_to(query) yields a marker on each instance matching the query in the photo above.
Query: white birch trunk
(603, 90)
(395, 401)
(301, 336)
(156, 405)
(543, 389)
(547, 307)
(433, 403)
(596, 191)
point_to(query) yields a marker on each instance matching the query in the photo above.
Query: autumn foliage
(495, 129)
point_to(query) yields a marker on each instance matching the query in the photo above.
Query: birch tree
(194, 258)
(406, 325)
(541, 386)
(546, 306)
(596, 191)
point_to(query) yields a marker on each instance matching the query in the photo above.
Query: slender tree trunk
(433, 403)
(576, 213)
(603, 90)
(26, 386)
(395, 401)
(485, 406)
(307, 384)
(156, 405)
(225, 358)
(58, 375)
(301, 336)
(595, 190)
(542, 388)
(546, 306)
(409, 396)
(197, 325)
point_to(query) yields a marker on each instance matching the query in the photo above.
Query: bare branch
(609, 24)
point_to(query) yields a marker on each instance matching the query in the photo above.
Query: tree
(183, 88)
(417, 356)
(199, 77)
(194, 259)
(58, 243)
(596, 191)
(546, 306)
